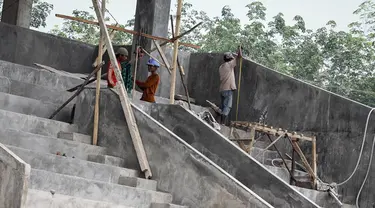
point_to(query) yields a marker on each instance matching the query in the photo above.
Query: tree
(39, 13)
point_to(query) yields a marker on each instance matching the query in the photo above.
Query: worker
(227, 84)
(124, 64)
(151, 85)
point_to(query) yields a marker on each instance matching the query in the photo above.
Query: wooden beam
(162, 55)
(128, 112)
(135, 70)
(179, 36)
(175, 53)
(98, 77)
(314, 159)
(125, 30)
(104, 48)
(269, 130)
(303, 158)
(151, 56)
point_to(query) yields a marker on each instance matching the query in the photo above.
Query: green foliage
(39, 13)
(90, 33)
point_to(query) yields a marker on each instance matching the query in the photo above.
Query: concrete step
(36, 92)
(45, 144)
(34, 107)
(36, 76)
(106, 159)
(321, 198)
(138, 182)
(33, 124)
(74, 166)
(161, 205)
(93, 190)
(40, 199)
(72, 136)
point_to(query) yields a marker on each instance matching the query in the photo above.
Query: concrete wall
(228, 156)
(14, 179)
(291, 104)
(192, 179)
(26, 47)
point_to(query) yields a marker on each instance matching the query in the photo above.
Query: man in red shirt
(125, 67)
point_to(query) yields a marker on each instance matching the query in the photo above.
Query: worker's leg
(227, 99)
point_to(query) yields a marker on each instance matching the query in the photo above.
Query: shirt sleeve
(152, 80)
(233, 63)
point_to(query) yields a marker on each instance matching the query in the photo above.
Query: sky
(316, 13)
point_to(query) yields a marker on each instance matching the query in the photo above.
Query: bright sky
(316, 13)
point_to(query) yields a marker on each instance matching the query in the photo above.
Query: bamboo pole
(303, 158)
(98, 78)
(239, 84)
(125, 30)
(175, 53)
(314, 158)
(125, 103)
(135, 71)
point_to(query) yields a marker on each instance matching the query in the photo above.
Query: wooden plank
(269, 130)
(314, 159)
(104, 48)
(252, 139)
(184, 98)
(303, 158)
(125, 104)
(98, 77)
(239, 84)
(162, 55)
(175, 53)
(125, 30)
(135, 70)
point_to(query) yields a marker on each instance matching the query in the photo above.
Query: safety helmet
(122, 51)
(153, 62)
(228, 55)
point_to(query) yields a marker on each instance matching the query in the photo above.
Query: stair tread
(30, 106)
(33, 124)
(73, 166)
(38, 198)
(48, 144)
(90, 189)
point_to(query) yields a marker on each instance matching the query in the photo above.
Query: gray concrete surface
(159, 205)
(297, 106)
(14, 179)
(37, 92)
(321, 198)
(37, 76)
(72, 136)
(193, 180)
(46, 144)
(34, 107)
(17, 12)
(38, 199)
(138, 182)
(229, 157)
(106, 159)
(93, 190)
(73, 166)
(33, 124)
(25, 46)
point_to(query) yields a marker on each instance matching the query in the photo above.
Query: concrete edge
(239, 149)
(16, 163)
(204, 157)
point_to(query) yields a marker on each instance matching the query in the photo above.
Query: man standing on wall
(123, 62)
(227, 84)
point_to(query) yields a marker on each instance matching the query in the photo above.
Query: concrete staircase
(67, 171)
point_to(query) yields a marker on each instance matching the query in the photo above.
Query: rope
(367, 173)
(360, 153)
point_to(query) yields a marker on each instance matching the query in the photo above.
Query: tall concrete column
(151, 17)
(17, 12)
